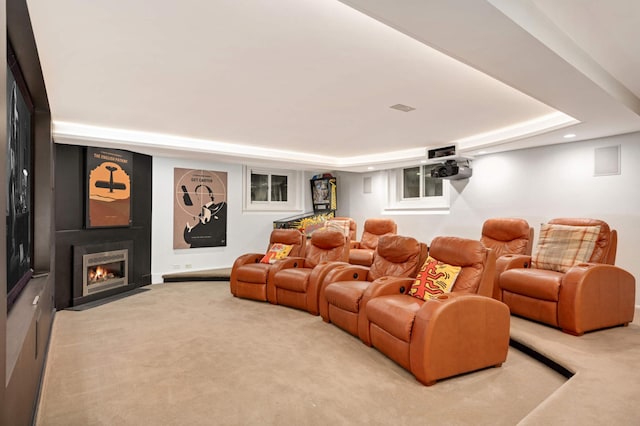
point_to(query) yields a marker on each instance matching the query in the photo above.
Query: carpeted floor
(190, 353)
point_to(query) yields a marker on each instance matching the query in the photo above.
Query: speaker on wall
(366, 185)
(606, 161)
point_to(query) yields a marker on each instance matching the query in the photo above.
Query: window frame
(397, 201)
(294, 179)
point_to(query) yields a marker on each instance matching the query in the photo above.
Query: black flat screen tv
(19, 218)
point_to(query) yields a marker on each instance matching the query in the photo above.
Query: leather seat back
(507, 236)
(326, 245)
(397, 256)
(293, 237)
(476, 260)
(373, 229)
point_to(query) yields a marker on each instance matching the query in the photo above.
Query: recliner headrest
(397, 248)
(325, 238)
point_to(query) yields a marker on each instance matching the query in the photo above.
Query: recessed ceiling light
(403, 108)
(371, 168)
(423, 161)
(570, 135)
(482, 152)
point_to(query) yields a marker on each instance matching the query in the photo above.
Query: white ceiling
(309, 83)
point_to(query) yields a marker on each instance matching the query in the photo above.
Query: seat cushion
(293, 279)
(253, 273)
(535, 283)
(394, 314)
(346, 295)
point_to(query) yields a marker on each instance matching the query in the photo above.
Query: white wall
(246, 232)
(535, 184)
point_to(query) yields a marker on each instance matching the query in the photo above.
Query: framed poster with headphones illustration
(109, 178)
(199, 208)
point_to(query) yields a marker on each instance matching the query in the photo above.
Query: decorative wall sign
(199, 208)
(109, 174)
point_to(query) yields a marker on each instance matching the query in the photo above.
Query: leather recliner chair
(458, 332)
(588, 296)
(506, 236)
(344, 286)
(295, 281)
(362, 251)
(249, 276)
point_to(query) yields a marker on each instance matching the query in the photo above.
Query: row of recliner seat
(465, 330)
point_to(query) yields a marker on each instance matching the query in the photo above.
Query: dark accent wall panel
(25, 330)
(70, 230)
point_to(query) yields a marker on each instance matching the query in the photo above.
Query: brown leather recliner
(249, 276)
(362, 251)
(455, 333)
(343, 287)
(506, 236)
(588, 296)
(295, 281)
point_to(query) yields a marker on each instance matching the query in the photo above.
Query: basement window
(271, 190)
(413, 188)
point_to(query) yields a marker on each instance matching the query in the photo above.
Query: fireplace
(101, 270)
(104, 270)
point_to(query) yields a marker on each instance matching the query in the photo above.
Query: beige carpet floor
(191, 354)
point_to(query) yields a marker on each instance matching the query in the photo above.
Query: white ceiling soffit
(518, 44)
(309, 84)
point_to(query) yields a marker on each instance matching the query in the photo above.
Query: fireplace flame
(100, 274)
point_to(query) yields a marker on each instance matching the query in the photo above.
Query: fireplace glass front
(103, 271)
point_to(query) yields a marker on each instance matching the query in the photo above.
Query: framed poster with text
(199, 208)
(109, 173)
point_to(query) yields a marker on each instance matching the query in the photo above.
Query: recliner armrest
(248, 258)
(342, 272)
(594, 296)
(505, 262)
(288, 262)
(458, 333)
(316, 281)
(511, 261)
(242, 260)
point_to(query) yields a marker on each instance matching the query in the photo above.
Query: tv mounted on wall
(19, 218)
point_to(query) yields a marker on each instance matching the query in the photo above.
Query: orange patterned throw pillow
(435, 278)
(276, 252)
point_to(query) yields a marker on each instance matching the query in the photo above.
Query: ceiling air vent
(403, 108)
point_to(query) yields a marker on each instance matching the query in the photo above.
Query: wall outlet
(188, 266)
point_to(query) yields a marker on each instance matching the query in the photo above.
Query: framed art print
(199, 208)
(109, 178)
